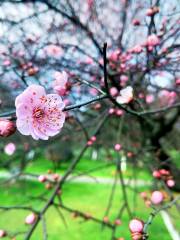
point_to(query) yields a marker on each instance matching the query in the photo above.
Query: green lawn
(95, 168)
(88, 198)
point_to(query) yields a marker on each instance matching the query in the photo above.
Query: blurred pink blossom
(38, 114)
(10, 148)
(126, 95)
(60, 83)
(149, 98)
(54, 50)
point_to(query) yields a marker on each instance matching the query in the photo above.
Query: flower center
(38, 113)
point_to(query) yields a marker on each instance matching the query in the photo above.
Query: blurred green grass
(85, 197)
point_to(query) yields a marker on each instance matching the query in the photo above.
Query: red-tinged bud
(156, 174)
(117, 222)
(105, 219)
(42, 178)
(7, 128)
(136, 236)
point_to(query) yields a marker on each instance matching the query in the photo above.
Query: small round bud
(42, 178)
(156, 174)
(89, 143)
(117, 147)
(149, 12)
(93, 138)
(55, 177)
(10, 148)
(105, 219)
(117, 222)
(170, 183)
(111, 111)
(48, 186)
(157, 197)
(113, 91)
(30, 219)
(119, 112)
(136, 226)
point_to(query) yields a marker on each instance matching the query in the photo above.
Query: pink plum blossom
(167, 97)
(157, 197)
(60, 83)
(126, 95)
(136, 225)
(10, 148)
(38, 114)
(30, 219)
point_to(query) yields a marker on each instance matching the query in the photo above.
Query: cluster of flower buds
(91, 140)
(156, 198)
(7, 128)
(117, 112)
(164, 175)
(136, 227)
(50, 180)
(145, 198)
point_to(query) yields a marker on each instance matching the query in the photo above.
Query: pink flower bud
(135, 22)
(178, 81)
(164, 172)
(117, 222)
(7, 128)
(93, 138)
(10, 148)
(42, 178)
(143, 194)
(2, 233)
(149, 12)
(89, 143)
(111, 111)
(30, 219)
(55, 177)
(153, 40)
(157, 197)
(136, 226)
(156, 174)
(119, 112)
(113, 91)
(117, 147)
(129, 154)
(170, 183)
